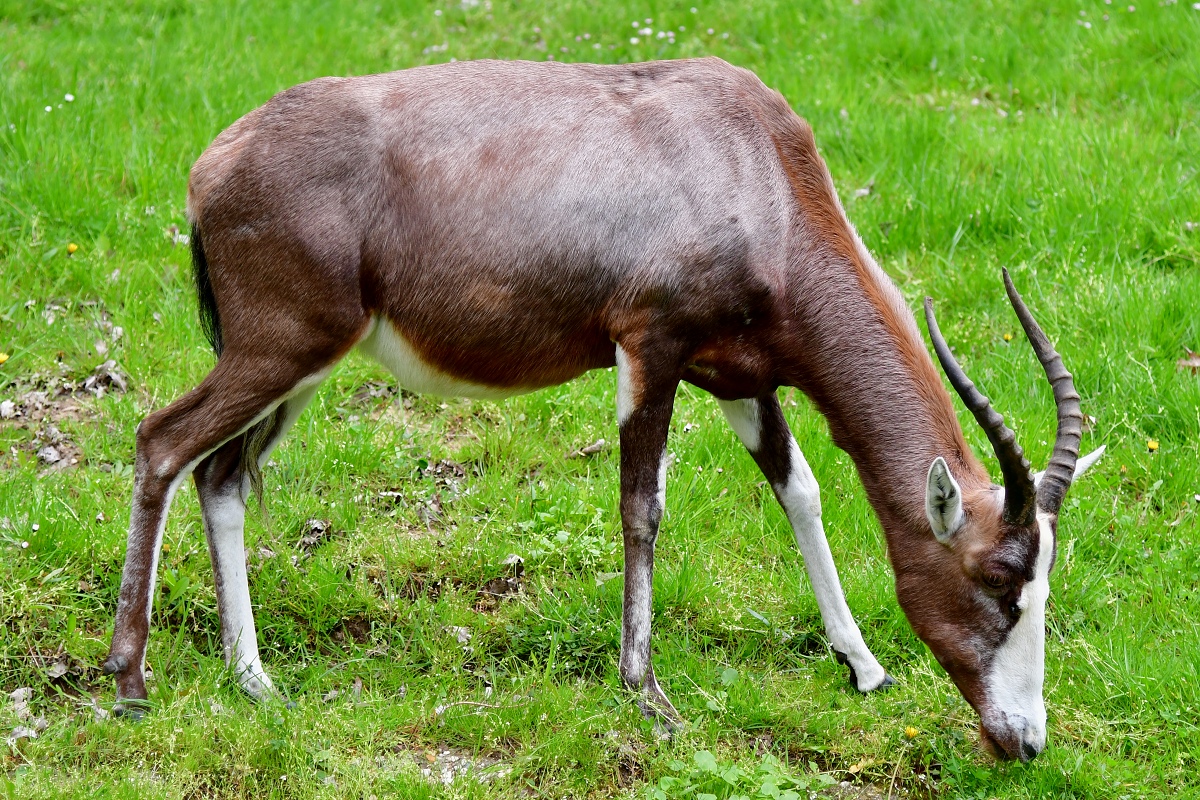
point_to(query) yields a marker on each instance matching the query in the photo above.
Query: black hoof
(130, 709)
(888, 680)
(845, 662)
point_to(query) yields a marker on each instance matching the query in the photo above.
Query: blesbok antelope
(489, 228)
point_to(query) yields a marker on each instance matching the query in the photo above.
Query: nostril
(1029, 751)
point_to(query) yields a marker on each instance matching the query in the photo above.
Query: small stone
(21, 698)
(99, 713)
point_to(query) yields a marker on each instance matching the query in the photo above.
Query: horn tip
(1008, 282)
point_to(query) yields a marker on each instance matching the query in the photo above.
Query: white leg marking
(226, 516)
(636, 652)
(158, 540)
(635, 638)
(624, 387)
(1014, 683)
(801, 500)
(664, 461)
(743, 417)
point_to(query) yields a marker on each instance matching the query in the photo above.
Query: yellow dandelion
(911, 732)
(1008, 337)
(3, 357)
(71, 248)
(1152, 444)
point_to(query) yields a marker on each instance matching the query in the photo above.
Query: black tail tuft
(255, 441)
(210, 320)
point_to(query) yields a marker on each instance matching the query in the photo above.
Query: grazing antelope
(488, 228)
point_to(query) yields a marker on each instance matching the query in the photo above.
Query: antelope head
(977, 595)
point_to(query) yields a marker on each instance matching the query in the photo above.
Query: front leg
(644, 403)
(761, 426)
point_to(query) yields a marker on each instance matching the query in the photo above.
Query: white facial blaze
(1014, 683)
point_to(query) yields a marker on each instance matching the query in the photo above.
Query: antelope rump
(490, 228)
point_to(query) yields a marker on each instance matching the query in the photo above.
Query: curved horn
(1061, 467)
(1019, 490)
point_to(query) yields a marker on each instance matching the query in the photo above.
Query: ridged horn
(1019, 491)
(1061, 468)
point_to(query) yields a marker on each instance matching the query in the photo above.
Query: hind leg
(170, 443)
(223, 488)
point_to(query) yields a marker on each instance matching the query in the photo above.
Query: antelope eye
(995, 581)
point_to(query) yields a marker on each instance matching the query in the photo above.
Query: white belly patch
(385, 344)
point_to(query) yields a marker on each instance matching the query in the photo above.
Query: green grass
(993, 134)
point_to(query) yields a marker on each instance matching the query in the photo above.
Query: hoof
(856, 682)
(131, 709)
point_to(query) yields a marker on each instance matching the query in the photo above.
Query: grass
(1057, 138)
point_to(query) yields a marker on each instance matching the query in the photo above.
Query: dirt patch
(862, 791)
(315, 533)
(502, 587)
(41, 402)
(445, 765)
(422, 584)
(356, 628)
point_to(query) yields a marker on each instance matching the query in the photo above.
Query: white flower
(49, 109)
(632, 40)
(70, 98)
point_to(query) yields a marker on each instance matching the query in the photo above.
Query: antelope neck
(884, 400)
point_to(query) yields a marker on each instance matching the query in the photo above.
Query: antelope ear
(1081, 466)
(943, 501)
